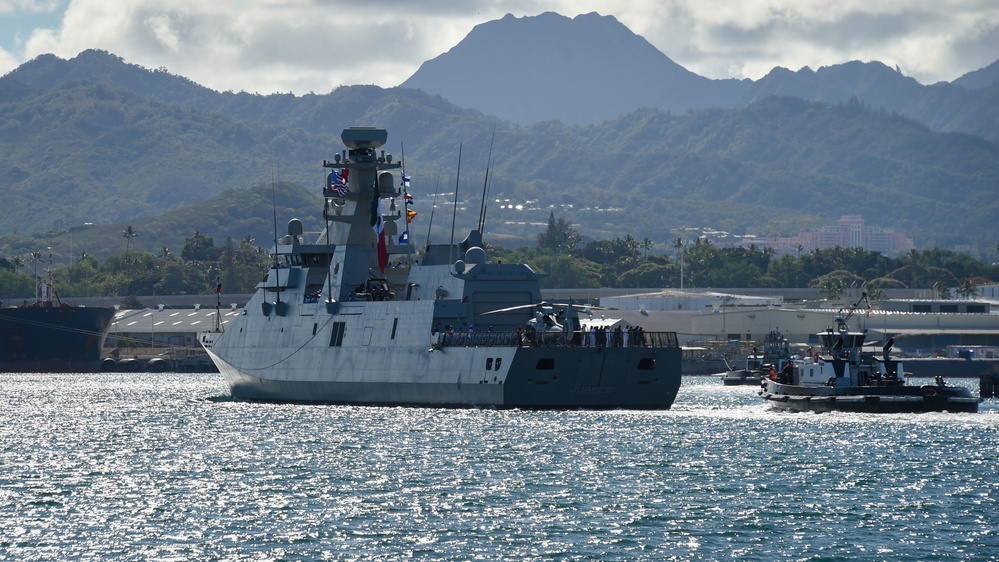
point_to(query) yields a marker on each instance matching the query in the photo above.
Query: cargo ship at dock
(47, 336)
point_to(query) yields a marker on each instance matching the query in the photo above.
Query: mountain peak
(580, 70)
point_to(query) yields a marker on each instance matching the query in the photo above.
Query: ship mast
(433, 207)
(218, 303)
(277, 286)
(485, 183)
(841, 323)
(405, 204)
(454, 210)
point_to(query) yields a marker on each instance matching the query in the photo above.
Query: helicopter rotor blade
(546, 304)
(518, 307)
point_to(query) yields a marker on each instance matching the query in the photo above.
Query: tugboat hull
(847, 379)
(901, 399)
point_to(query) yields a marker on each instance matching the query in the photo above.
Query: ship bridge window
(361, 153)
(853, 341)
(948, 308)
(647, 364)
(545, 364)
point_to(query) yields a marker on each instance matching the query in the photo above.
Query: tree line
(197, 269)
(631, 263)
(560, 253)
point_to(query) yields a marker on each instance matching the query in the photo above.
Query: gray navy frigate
(331, 323)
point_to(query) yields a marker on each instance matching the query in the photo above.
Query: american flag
(338, 182)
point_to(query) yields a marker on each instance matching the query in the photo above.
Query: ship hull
(448, 380)
(334, 323)
(53, 339)
(898, 399)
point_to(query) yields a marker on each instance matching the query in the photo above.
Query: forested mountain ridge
(590, 68)
(96, 153)
(79, 151)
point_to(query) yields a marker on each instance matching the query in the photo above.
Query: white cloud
(30, 6)
(314, 45)
(723, 39)
(7, 61)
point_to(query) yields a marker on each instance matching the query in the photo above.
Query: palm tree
(128, 233)
(943, 292)
(967, 288)
(678, 244)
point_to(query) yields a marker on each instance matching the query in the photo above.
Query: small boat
(47, 336)
(442, 326)
(776, 351)
(750, 375)
(845, 378)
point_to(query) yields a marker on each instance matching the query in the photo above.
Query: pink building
(850, 231)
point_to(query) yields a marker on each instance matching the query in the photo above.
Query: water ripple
(164, 467)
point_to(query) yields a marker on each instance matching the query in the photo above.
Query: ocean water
(166, 467)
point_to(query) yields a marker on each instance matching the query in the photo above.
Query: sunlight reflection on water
(140, 466)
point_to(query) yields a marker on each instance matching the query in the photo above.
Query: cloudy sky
(303, 46)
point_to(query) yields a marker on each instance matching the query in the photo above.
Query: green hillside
(110, 153)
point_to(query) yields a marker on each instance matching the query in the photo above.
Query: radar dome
(475, 255)
(295, 227)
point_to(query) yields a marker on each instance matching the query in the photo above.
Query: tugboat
(845, 378)
(776, 352)
(333, 323)
(47, 336)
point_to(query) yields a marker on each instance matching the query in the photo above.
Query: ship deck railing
(577, 339)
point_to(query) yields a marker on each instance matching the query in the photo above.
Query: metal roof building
(165, 327)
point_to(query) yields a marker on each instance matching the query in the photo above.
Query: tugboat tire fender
(929, 390)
